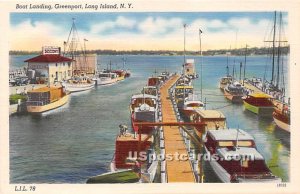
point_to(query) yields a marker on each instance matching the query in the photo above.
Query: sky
(143, 30)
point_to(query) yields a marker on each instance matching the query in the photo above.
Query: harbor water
(76, 141)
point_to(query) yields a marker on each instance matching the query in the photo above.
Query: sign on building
(51, 50)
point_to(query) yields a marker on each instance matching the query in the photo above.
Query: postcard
(142, 96)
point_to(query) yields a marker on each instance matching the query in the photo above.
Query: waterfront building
(50, 67)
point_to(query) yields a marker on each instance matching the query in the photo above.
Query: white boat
(106, 78)
(191, 104)
(234, 157)
(78, 84)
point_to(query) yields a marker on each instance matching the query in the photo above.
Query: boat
(181, 93)
(259, 103)
(128, 150)
(224, 81)
(234, 92)
(138, 99)
(143, 108)
(46, 98)
(79, 81)
(144, 113)
(151, 90)
(106, 78)
(236, 158)
(281, 116)
(121, 74)
(191, 104)
(78, 84)
(212, 120)
(154, 81)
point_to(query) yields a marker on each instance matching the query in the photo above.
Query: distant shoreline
(220, 52)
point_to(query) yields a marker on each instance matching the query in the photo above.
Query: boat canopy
(260, 95)
(143, 96)
(184, 87)
(209, 114)
(229, 135)
(240, 151)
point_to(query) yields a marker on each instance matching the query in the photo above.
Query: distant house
(50, 66)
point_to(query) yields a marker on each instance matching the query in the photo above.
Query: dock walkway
(177, 171)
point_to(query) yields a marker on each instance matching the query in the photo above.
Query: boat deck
(177, 171)
(251, 87)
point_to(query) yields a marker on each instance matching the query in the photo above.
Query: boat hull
(78, 87)
(225, 177)
(105, 82)
(47, 107)
(265, 111)
(233, 98)
(281, 124)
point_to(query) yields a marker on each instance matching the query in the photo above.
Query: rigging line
(222, 107)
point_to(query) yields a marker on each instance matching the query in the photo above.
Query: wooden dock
(177, 171)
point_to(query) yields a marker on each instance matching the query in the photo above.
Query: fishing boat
(224, 81)
(106, 78)
(237, 159)
(234, 92)
(259, 103)
(281, 116)
(78, 84)
(46, 98)
(79, 81)
(121, 74)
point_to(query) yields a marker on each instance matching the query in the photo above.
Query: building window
(56, 64)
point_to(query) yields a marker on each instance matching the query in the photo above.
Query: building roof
(48, 59)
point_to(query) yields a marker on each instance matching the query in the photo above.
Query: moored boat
(181, 93)
(78, 84)
(281, 117)
(106, 78)
(259, 103)
(191, 104)
(234, 92)
(224, 81)
(236, 159)
(46, 98)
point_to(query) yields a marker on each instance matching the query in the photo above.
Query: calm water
(76, 141)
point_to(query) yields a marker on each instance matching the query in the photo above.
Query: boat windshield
(239, 143)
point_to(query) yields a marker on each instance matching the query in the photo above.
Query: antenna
(237, 137)
(200, 32)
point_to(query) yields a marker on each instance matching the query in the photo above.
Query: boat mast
(278, 51)
(200, 32)
(184, 27)
(273, 50)
(245, 64)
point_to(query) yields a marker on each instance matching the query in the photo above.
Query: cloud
(120, 22)
(146, 33)
(154, 26)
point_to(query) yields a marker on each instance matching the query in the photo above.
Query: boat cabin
(44, 95)
(151, 90)
(139, 99)
(154, 81)
(237, 156)
(259, 100)
(213, 119)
